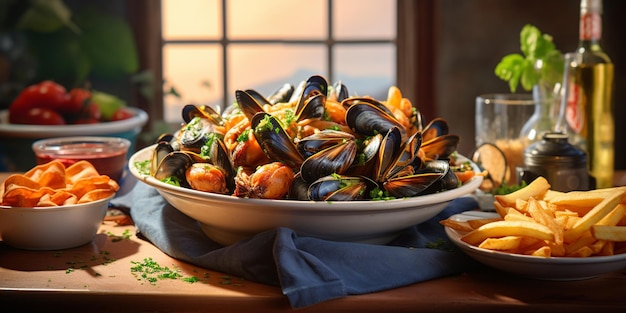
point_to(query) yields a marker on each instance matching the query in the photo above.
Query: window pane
(192, 19)
(367, 70)
(195, 72)
(265, 68)
(277, 19)
(359, 19)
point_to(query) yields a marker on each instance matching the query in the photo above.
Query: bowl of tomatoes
(48, 110)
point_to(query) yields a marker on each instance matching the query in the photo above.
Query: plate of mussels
(319, 162)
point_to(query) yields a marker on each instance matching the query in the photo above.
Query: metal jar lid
(554, 150)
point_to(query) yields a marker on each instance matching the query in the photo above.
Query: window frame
(414, 42)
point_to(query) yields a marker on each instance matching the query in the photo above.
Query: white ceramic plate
(552, 268)
(38, 131)
(227, 219)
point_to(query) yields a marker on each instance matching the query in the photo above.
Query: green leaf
(510, 69)
(109, 42)
(520, 69)
(530, 76)
(47, 16)
(528, 40)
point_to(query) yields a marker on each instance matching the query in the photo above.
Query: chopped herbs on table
(441, 244)
(116, 238)
(150, 271)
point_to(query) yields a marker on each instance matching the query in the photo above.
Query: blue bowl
(16, 140)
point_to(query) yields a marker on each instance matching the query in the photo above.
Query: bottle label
(574, 112)
(590, 26)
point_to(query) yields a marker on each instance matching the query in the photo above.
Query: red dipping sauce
(106, 154)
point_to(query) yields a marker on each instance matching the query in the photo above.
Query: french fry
(500, 209)
(536, 189)
(503, 243)
(456, 225)
(589, 198)
(515, 215)
(608, 249)
(543, 217)
(593, 216)
(508, 228)
(482, 221)
(542, 252)
(538, 221)
(584, 240)
(612, 233)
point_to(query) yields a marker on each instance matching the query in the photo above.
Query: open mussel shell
(162, 149)
(194, 135)
(437, 127)
(321, 140)
(448, 181)
(299, 188)
(334, 159)
(260, 99)
(388, 154)
(175, 164)
(369, 117)
(274, 140)
(190, 111)
(440, 147)
(218, 155)
(339, 92)
(339, 188)
(248, 105)
(428, 179)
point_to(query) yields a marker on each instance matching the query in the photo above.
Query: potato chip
(51, 184)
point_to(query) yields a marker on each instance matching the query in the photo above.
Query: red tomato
(46, 94)
(121, 114)
(39, 116)
(77, 98)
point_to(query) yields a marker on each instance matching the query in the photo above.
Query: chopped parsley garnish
(244, 136)
(205, 150)
(289, 117)
(172, 180)
(116, 238)
(379, 194)
(143, 167)
(150, 271)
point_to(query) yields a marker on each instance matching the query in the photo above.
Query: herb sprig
(523, 68)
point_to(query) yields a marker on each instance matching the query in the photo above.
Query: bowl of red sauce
(107, 154)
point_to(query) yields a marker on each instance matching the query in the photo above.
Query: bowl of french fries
(54, 207)
(545, 234)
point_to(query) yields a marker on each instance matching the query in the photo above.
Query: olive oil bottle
(588, 94)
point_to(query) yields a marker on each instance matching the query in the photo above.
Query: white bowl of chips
(52, 207)
(52, 228)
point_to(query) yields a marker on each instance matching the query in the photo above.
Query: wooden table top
(98, 277)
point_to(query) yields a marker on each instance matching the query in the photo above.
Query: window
(214, 47)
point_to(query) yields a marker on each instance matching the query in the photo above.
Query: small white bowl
(52, 228)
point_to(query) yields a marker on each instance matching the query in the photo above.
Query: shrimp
(269, 181)
(207, 177)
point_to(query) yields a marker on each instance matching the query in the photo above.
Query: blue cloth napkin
(308, 270)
